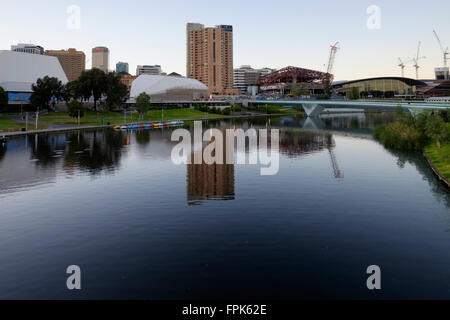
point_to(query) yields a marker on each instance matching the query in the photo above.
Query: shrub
(397, 135)
(226, 111)
(73, 107)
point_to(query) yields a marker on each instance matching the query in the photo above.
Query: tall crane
(445, 52)
(416, 60)
(402, 65)
(329, 77)
(333, 51)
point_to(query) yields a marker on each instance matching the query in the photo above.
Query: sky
(267, 33)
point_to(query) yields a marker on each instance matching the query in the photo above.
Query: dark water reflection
(141, 227)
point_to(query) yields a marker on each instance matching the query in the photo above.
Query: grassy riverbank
(274, 109)
(95, 118)
(440, 157)
(9, 125)
(425, 131)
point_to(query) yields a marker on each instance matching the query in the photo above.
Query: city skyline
(268, 35)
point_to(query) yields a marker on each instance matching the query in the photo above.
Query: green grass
(7, 125)
(440, 157)
(274, 109)
(95, 118)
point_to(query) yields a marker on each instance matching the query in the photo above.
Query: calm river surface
(142, 227)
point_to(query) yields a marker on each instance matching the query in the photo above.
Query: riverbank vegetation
(274, 109)
(425, 131)
(408, 132)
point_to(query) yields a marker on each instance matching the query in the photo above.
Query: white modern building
(19, 71)
(150, 70)
(168, 89)
(27, 48)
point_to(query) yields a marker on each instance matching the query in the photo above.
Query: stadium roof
(153, 84)
(18, 70)
(293, 75)
(408, 81)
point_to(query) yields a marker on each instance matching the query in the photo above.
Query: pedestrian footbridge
(314, 107)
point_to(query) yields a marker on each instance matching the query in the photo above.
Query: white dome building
(19, 71)
(168, 89)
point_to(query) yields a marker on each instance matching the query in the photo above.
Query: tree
(75, 109)
(67, 92)
(44, 90)
(143, 103)
(3, 99)
(115, 91)
(435, 128)
(92, 83)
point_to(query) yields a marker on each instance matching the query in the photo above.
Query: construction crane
(402, 65)
(416, 60)
(329, 76)
(333, 51)
(444, 52)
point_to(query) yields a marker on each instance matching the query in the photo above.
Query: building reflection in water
(209, 182)
(297, 143)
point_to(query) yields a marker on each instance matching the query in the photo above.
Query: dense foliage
(96, 84)
(45, 91)
(413, 133)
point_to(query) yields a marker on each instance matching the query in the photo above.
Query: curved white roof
(153, 84)
(18, 70)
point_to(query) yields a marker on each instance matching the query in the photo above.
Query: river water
(140, 226)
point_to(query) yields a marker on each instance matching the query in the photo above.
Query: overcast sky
(266, 33)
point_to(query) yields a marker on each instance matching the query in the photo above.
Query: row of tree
(105, 89)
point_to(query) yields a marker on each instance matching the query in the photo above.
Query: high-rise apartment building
(72, 61)
(28, 48)
(152, 70)
(209, 56)
(100, 58)
(122, 67)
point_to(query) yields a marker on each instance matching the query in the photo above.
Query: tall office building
(209, 56)
(100, 58)
(245, 77)
(152, 70)
(122, 67)
(28, 48)
(72, 61)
